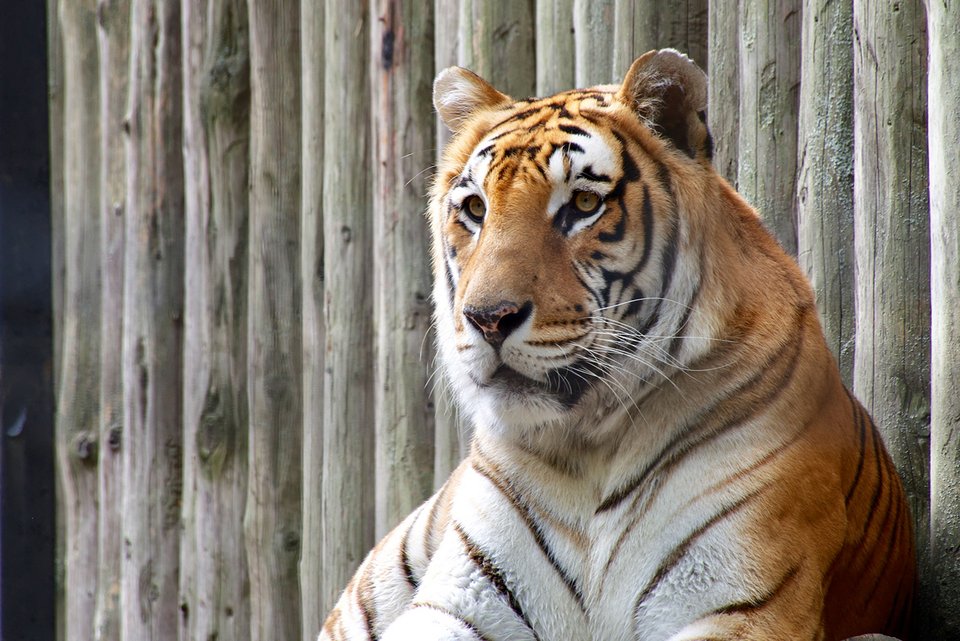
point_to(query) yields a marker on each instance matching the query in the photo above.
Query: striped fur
(664, 449)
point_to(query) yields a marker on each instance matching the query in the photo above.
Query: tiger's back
(664, 448)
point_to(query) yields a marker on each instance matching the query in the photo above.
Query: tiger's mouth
(566, 384)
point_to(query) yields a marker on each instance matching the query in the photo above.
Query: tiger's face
(556, 239)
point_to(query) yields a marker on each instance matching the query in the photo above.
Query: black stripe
(573, 129)
(589, 174)
(521, 508)
(875, 499)
(677, 554)
(405, 558)
(492, 573)
(752, 605)
(668, 264)
(467, 625)
(891, 539)
(682, 443)
(858, 418)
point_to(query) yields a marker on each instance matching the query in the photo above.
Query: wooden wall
(245, 372)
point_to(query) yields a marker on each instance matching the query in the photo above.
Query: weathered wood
(152, 327)
(451, 436)
(723, 89)
(496, 41)
(825, 171)
(78, 412)
(640, 26)
(943, 16)
(57, 275)
(348, 482)
(401, 69)
(273, 517)
(892, 246)
(592, 22)
(214, 582)
(311, 277)
(113, 39)
(554, 46)
(769, 90)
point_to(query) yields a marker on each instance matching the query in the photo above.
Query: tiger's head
(563, 251)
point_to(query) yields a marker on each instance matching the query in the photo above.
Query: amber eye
(586, 202)
(474, 208)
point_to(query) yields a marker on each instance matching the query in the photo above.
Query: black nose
(498, 321)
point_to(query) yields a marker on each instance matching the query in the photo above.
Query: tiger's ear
(459, 93)
(669, 91)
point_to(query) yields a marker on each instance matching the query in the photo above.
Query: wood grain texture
(825, 171)
(348, 398)
(152, 327)
(113, 40)
(554, 39)
(272, 524)
(78, 398)
(943, 16)
(401, 68)
(642, 25)
(312, 284)
(496, 41)
(723, 88)
(892, 245)
(214, 582)
(769, 91)
(452, 431)
(593, 63)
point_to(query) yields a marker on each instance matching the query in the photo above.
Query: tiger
(663, 447)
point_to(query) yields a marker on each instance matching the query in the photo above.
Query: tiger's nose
(498, 321)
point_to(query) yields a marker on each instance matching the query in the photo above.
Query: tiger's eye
(586, 201)
(475, 208)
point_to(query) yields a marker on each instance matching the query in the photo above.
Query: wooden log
(452, 432)
(496, 41)
(723, 89)
(78, 412)
(892, 247)
(769, 87)
(272, 525)
(113, 39)
(401, 68)
(554, 43)
(214, 598)
(313, 334)
(58, 276)
(944, 132)
(152, 327)
(640, 26)
(348, 480)
(825, 171)
(593, 21)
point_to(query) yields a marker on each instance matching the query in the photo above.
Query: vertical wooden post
(272, 522)
(58, 274)
(769, 89)
(723, 88)
(214, 583)
(943, 16)
(312, 283)
(642, 25)
(348, 481)
(496, 41)
(592, 21)
(555, 46)
(401, 69)
(152, 327)
(892, 245)
(78, 399)
(825, 171)
(113, 38)
(451, 436)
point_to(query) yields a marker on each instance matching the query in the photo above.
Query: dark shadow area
(26, 398)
